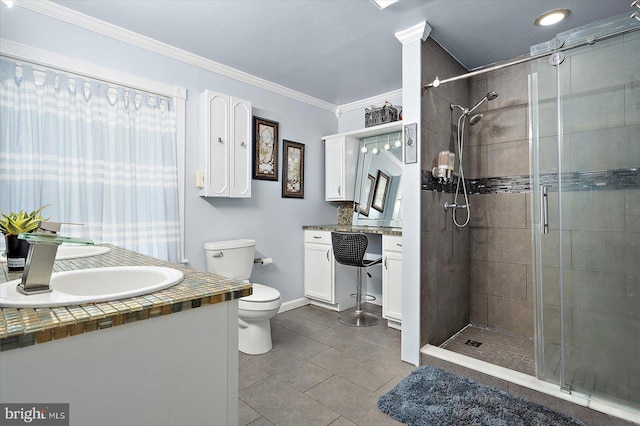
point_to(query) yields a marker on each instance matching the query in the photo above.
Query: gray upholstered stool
(349, 249)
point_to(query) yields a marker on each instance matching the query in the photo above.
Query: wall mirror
(378, 195)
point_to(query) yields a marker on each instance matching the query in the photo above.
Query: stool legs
(358, 317)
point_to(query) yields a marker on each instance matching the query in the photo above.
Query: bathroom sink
(93, 285)
(73, 251)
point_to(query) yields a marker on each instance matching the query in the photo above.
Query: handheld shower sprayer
(475, 119)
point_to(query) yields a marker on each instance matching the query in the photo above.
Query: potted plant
(13, 224)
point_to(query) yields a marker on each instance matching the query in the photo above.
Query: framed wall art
(380, 196)
(265, 149)
(367, 195)
(293, 169)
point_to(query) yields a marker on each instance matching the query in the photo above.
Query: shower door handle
(544, 206)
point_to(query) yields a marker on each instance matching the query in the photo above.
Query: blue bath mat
(431, 396)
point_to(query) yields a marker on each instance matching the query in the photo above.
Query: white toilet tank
(231, 259)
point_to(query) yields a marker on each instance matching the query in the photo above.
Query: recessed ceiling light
(552, 17)
(381, 4)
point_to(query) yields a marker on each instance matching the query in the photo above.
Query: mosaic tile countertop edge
(21, 327)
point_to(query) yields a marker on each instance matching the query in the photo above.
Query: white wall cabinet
(341, 162)
(225, 129)
(341, 159)
(326, 283)
(392, 280)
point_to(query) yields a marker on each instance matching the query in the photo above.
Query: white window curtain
(98, 155)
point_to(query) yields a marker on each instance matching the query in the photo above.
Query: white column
(411, 40)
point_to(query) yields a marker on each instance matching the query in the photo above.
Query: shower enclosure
(585, 148)
(552, 250)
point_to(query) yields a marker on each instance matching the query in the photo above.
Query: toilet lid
(262, 293)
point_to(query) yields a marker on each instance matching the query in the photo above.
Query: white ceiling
(340, 51)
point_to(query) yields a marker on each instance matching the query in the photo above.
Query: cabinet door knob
(385, 262)
(220, 140)
(339, 186)
(242, 144)
(328, 251)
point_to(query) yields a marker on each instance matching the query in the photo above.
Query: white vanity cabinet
(341, 162)
(326, 283)
(225, 129)
(318, 266)
(392, 280)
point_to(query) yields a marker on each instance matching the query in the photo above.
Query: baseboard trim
(293, 304)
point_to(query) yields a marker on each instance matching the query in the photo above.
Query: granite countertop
(21, 327)
(383, 230)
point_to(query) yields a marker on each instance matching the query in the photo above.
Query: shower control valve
(454, 206)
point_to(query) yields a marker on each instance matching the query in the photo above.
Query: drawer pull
(316, 237)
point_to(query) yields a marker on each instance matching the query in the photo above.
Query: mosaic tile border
(575, 181)
(20, 327)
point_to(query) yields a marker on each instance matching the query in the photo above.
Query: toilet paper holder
(263, 261)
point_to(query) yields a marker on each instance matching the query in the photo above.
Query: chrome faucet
(43, 246)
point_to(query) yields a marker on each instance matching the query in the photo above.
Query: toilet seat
(263, 298)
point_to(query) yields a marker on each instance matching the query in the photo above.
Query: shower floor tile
(505, 350)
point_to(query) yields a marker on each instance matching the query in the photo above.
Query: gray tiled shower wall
(601, 240)
(445, 248)
(500, 252)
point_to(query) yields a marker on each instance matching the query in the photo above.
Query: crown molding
(366, 103)
(417, 32)
(78, 19)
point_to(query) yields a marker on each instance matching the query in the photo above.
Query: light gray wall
(275, 223)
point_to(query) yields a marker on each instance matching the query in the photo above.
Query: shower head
(488, 97)
(475, 119)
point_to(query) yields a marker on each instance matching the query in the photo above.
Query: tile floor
(503, 349)
(320, 372)
(618, 380)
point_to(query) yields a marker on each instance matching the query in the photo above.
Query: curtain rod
(590, 40)
(39, 71)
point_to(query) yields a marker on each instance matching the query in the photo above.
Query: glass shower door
(586, 157)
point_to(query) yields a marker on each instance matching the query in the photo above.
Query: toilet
(234, 259)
